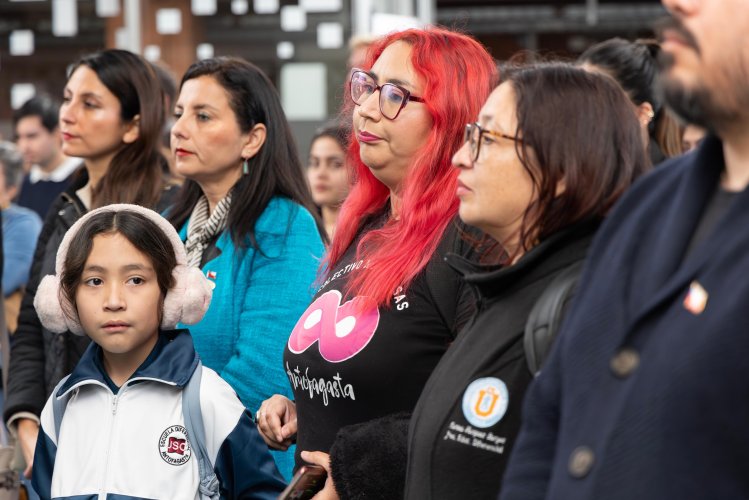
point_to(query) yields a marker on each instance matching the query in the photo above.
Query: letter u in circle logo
(485, 402)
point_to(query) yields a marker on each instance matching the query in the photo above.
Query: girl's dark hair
(275, 170)
(135, 174)
(336, 131)
(634, 66)
(578, 130)
(144, 235)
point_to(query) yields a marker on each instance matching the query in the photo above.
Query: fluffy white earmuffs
(186, 302)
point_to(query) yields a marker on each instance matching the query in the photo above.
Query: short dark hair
(578, 128)
(274, 170)
(43, 106)
(142, 232)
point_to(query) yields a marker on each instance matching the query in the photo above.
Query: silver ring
(257, 416)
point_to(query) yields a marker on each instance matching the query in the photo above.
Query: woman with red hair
(388, 306)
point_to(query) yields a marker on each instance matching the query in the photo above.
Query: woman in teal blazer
(246, 217)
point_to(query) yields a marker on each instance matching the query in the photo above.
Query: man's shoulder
(664, 176)
(644, 209)
(651, 194)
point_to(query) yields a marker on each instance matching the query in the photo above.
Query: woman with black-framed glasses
(538, 175)
(388, 306)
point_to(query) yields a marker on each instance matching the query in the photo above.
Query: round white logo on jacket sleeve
(485, 402)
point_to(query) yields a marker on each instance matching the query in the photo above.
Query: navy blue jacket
(646, 393)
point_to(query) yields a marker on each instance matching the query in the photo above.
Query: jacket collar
(556, 252)
(667, 271)
(681, 216)
(173, 365)
(77, 181)
(79, 178)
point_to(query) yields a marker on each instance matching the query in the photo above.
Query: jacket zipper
(108, 453)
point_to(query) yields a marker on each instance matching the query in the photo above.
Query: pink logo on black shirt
(342, 331)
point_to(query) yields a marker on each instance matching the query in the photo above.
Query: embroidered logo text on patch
(173, 445)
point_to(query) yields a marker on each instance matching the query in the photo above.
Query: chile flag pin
(696, 299)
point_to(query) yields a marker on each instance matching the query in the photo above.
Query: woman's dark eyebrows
(395, 81)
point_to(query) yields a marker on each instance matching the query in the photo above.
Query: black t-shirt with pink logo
(349, 361)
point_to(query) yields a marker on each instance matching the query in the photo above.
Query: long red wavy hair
(459, 74)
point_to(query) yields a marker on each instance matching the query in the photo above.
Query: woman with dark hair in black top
(540, 192)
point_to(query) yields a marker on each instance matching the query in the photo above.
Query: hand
(323, 460)
(276, 421)
(28, 431)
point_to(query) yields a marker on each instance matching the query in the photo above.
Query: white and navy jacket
(130, 443)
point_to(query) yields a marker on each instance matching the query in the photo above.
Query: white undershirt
(59, 174)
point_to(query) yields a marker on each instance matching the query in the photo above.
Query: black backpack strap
(544, 320)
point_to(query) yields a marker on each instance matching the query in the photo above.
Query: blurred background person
(327, 173)
(20, 227)
(358, 46)
(692, 137)
(634, 66)
(169, 87)
(111, 117)
(38, 138)
(385, 281)
(248, 220)
(541, 194)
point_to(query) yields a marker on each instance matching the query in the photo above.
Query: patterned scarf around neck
(201, 229)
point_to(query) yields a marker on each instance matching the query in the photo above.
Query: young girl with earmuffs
(118, 425)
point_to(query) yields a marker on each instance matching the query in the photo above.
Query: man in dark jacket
(645, 394)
